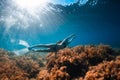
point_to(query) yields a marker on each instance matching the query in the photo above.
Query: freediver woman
(53, 47)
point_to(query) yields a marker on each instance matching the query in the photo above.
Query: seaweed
(17, 67)
(28, 65)
(56, 74)
(77, 60)
(104, 71)
(90, 62)
(9, 70)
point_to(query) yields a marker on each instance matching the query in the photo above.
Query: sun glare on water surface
(27, 14)
(31, 4)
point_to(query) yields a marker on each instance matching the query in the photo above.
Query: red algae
(30, 66)
(55, 74)
(10, 71)
(77, 60)
(89, 62)
(17, 67)
(104, 71)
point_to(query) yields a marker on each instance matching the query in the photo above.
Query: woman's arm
(68, 39)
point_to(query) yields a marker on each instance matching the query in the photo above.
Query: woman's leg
(42, 46)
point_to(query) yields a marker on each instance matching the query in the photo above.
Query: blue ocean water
(91, 23)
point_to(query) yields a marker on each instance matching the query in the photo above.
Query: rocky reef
(90, 62)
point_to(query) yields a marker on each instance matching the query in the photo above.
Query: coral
(104, 71)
